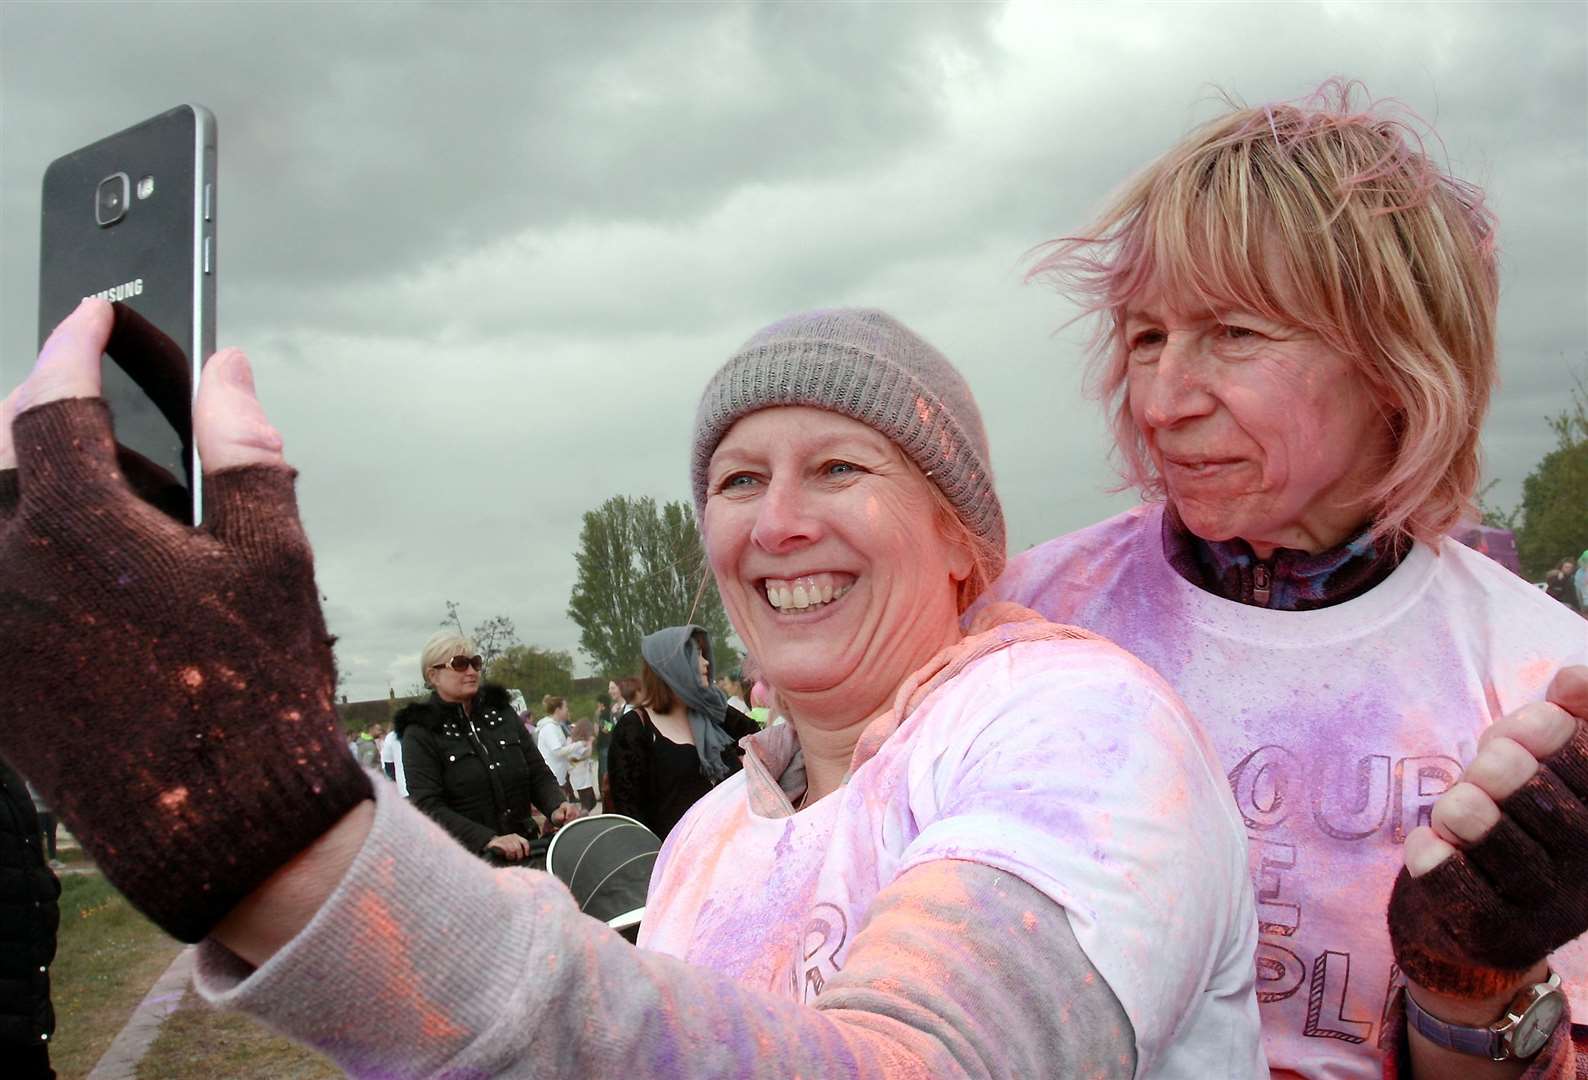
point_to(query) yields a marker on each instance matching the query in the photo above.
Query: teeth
(805, 593)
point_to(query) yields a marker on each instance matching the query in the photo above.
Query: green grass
(198, 1043)
(107, 957)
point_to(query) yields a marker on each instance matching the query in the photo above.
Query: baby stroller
(606, 863)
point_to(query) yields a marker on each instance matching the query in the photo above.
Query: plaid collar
(1288, 580)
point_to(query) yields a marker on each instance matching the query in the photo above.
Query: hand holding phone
(131, 219)
(191, 741)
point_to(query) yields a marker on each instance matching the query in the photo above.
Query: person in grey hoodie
(681, 739)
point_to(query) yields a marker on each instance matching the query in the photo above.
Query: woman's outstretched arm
(958, 970)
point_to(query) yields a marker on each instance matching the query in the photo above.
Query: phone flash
(145, 187)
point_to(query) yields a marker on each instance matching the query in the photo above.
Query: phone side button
(208, 241)
(209, 202)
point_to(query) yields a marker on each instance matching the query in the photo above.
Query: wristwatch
(1529, 1020)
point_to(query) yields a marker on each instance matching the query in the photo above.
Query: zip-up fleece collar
(1288, 580)
(432, 712)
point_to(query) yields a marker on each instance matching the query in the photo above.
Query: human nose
(784, 520)
(1174, 388)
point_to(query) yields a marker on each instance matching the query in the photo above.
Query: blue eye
(839, 468)
(737, 480)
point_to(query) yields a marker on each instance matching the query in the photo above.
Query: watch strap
(1476, 1041)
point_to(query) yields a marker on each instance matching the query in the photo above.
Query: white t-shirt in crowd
(1063, 762)
(550, 739)
(391, 753)
(1338, 728)
(582, 768)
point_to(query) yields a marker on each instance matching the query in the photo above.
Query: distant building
(589, 686)
(359, 715)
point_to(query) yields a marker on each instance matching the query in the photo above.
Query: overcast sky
(484, 258)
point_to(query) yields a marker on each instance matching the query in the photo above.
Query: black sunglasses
(462, 663)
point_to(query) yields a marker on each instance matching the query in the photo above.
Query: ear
(960, 564)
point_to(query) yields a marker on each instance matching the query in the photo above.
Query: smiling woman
(953, 828)
(841, 474)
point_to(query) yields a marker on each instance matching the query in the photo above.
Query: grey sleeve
(959, 970)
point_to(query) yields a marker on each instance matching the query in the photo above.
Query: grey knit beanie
(866, 365)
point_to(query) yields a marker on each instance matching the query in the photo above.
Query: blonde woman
(467, 760)
(1295, 312)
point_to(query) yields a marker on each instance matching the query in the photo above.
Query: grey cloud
(484, 257)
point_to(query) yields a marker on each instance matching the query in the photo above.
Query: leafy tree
(1493, 516)
(493, 637)
(1554, 510)
(642, 567)
(535, 671)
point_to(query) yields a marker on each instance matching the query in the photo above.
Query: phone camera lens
(110, 199)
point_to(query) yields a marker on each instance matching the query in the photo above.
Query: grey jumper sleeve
(535, 989)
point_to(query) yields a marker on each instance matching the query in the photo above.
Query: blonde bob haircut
(1327, 216)
(442, 646)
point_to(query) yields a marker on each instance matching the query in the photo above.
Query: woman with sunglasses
(468, 760)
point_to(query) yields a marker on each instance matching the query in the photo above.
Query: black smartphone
(131, 218)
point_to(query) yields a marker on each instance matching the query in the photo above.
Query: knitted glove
(1473, 925)
(170, 687)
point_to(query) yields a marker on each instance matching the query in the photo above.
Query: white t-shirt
(1337, 728)
(550, 739)
(582, 768)
(391, 753)
(1063, 762)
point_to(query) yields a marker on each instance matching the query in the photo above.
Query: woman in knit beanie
(954, 830)
(843, 483)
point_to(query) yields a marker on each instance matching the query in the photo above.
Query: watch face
(1535, 1027)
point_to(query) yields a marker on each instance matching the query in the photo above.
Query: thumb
(229, 424)
(1424, 850)
(68, 364)
(1569, 690)
(8, 447)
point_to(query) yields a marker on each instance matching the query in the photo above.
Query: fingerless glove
(1473, 925)
(171, 688)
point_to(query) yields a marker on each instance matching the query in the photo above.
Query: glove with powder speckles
(170, 688)
(1475, 924)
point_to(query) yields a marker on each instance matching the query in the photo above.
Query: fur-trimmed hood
(430, 713)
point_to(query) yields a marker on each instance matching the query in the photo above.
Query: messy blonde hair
(1379, 251)
(442, 646)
